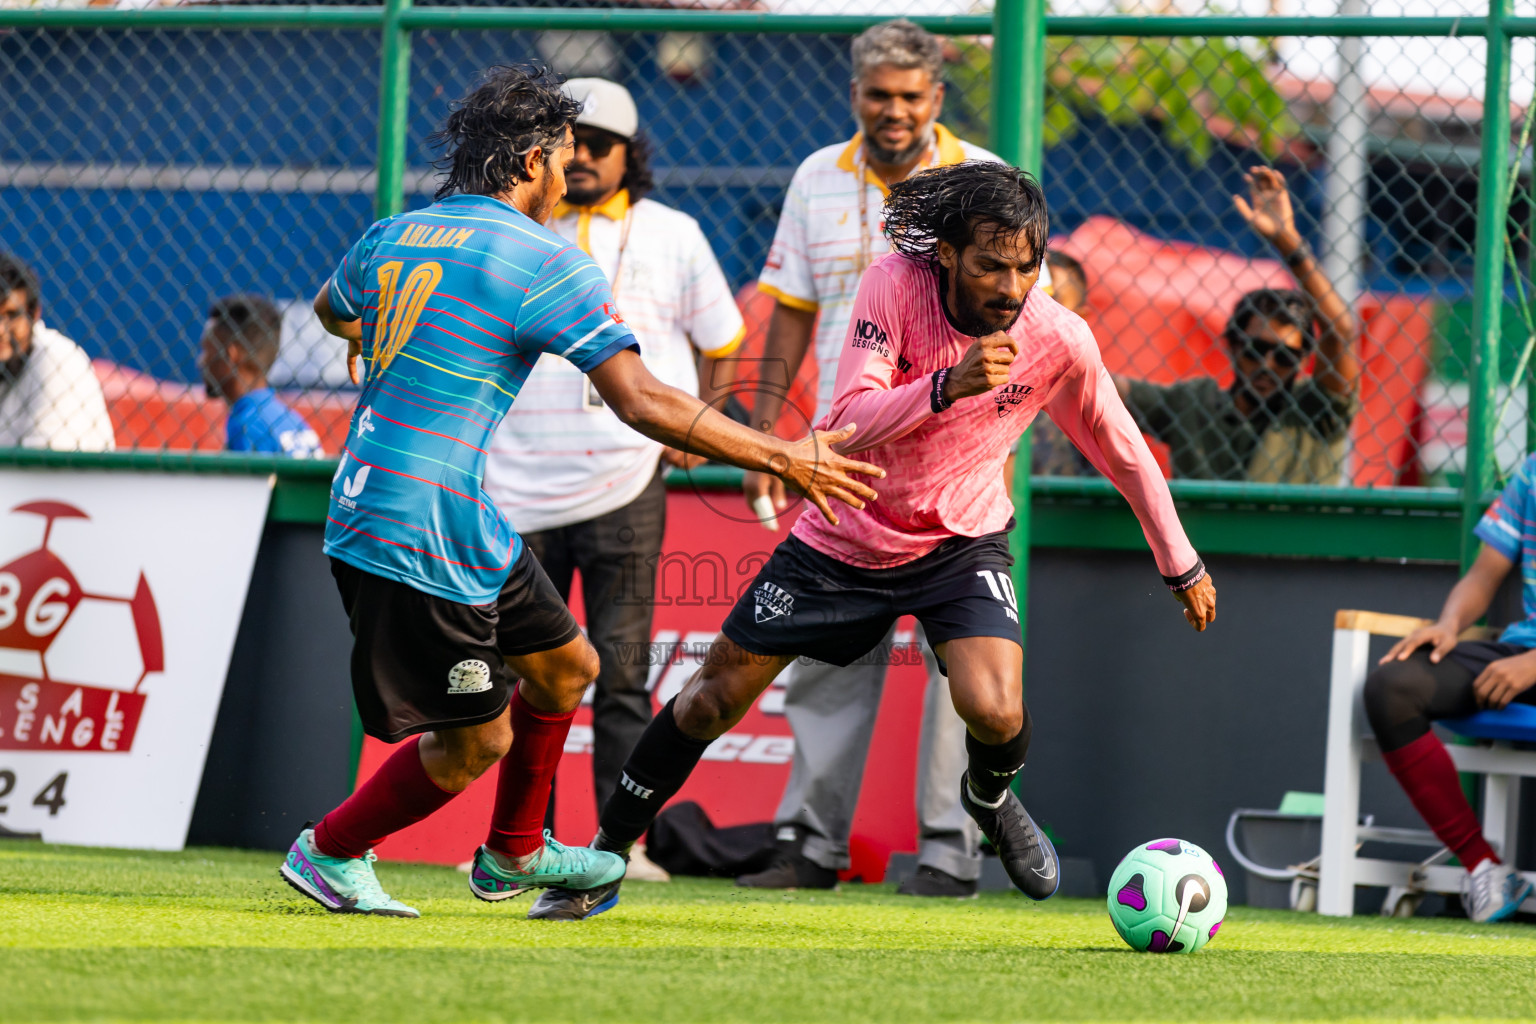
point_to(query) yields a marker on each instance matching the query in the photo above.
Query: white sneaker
(643, 869)
(1495, 891)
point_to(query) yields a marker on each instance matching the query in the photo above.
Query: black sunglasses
(599, 144)
(1286, 357)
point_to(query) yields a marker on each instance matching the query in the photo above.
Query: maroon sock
(522, 787)
(400, 793)
(1429, 776)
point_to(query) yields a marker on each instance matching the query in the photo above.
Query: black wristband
(1189, 579)
(936, 399)
(1300, 255)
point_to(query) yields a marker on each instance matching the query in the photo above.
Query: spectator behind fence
(586, 492)
(49, 394)
(1051, 454)
(1274, 424)
(239, 344)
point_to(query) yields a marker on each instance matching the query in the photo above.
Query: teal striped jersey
(1509, 527)
(458, 301)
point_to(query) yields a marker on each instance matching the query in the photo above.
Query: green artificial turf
(214, 935)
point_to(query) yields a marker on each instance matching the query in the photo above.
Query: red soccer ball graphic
(72, 662)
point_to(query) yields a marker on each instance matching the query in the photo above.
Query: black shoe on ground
(1026, 852)
(790, 869)
(927, 881)
(574, 904)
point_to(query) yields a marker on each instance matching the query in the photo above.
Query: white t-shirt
(56, 402)
(561, 456)
(816, 258)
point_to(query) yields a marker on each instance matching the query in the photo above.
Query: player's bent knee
(1394, 691)
(587, 666)
(476, 759)
(995, 716)
(706, 709)
(996, 725)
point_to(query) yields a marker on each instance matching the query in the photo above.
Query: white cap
(606, 105)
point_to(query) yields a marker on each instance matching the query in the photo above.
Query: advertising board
(120, 595)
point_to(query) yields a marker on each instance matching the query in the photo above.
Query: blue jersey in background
(1509, 527)
(260, 422)
(457, 301)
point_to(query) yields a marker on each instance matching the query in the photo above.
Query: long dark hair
(637, 168)
(493, 128)
(947, 204)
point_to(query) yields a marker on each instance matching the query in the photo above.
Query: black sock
(657, 768)
(991, 767)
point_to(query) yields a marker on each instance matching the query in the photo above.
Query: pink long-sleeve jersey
(945, 470)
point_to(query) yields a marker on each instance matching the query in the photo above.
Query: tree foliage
(1197, 90)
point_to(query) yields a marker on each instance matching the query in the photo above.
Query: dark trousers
(616, 554)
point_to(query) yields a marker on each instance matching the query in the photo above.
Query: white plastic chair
(1350, 742)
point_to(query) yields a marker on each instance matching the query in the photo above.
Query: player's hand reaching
(983, 367)
(1199, 603)
(810, 467)
(1437, 636)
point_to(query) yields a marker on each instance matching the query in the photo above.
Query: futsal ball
(1167, 896)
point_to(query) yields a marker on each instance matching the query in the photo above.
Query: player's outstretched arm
(1088, 408)
(673, 417)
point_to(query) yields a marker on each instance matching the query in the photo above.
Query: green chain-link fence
(156, 160)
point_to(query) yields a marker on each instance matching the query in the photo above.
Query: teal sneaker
(342, 885)
(1494, 892)
(569, 867)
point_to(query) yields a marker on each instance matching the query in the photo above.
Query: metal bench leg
(1341, 778)
(1501, 813)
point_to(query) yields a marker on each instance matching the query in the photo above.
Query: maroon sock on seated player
(524, 779)
(399, 794)
(1428, 775)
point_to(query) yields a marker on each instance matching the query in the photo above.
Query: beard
(971, 317)
(582, 196)
(898, 157)
(1266, 408)
(10, 369)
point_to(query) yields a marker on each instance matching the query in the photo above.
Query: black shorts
(1476, 655)
(806, 603)
(421, 662)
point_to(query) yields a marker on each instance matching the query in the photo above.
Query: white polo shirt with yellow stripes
(830, 229)
(561, 456)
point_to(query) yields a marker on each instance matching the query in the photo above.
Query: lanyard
(618, 266)
(590, 399)
(862, 170)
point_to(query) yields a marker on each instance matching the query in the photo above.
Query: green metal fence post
(1018, 117)
(1488, 280)
(394, 94)
(1530, 282)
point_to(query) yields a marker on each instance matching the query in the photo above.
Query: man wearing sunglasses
(1274, 424)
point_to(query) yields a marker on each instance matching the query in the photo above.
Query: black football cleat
(556, 904)
(1026, 852)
